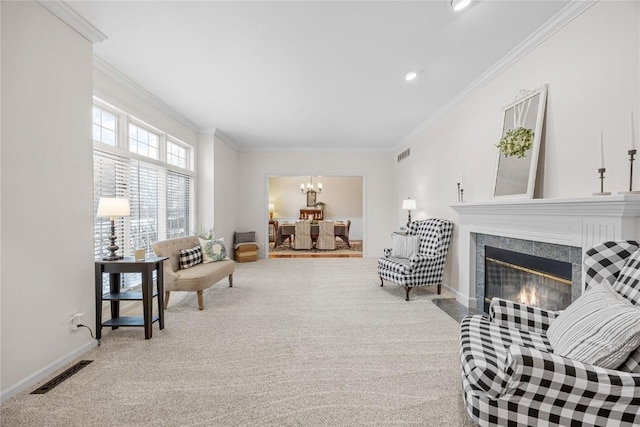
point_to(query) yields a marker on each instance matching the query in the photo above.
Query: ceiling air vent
(404, 154)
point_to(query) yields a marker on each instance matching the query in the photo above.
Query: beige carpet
(295, 342)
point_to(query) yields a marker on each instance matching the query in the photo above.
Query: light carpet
(295, 342)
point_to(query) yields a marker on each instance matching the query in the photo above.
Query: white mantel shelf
(621, 205)
(578, 222)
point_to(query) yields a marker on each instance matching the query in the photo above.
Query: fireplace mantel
(578, 222)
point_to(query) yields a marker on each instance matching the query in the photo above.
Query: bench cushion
(203, 276)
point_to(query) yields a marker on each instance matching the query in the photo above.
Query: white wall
(47, 210)
(376, 168)
(227, 190)
(592, 68)
(204, 182)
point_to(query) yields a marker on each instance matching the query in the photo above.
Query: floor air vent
(63, 376)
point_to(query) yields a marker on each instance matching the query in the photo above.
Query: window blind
(160, 200)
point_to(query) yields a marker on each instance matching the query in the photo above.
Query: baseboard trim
(467, 302)
(46, 372)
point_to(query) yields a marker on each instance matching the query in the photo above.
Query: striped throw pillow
(404, 246)
(190, 257)
(628, 282)
(600, 328)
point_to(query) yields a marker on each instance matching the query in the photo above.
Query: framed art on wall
(311, 198)
(519, 146)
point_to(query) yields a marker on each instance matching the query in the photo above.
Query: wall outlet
(75, 320)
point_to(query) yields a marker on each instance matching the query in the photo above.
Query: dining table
(287, 230)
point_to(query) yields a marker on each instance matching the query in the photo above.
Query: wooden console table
(115, 270)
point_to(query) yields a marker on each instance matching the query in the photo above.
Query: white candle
(632, 141)
(459, 175)
(601, 151)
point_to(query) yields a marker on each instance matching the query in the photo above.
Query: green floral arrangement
(516, 142)
(204, 234)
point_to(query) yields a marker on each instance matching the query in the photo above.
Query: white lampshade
(113, 206)
(408, 204)
(271, 207)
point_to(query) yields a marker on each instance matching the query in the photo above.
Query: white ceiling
(303, 75)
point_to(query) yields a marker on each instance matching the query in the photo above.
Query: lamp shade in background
(109, 207)
(408, 204)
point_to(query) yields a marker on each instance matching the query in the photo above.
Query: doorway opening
(315, 198)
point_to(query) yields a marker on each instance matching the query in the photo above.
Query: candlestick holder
(461, 195)
(632, 154)
(459, 192)
(601, 171)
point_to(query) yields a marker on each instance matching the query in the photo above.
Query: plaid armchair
(427, 266)
(510, 375)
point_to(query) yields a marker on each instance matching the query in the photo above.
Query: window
(128, 163)
(176, 154)
(104, 126)
(143, 142)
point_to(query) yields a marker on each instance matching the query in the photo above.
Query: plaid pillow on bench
(190, 257)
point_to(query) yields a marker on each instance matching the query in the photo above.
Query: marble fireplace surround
(575, 222)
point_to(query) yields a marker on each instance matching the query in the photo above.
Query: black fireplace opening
(527, 279)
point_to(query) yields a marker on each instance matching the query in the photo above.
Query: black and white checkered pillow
(605, 260)
(190, 257)
(628, 282)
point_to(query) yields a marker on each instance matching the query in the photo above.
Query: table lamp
(111, 207)
(271, 209)
(407, 205)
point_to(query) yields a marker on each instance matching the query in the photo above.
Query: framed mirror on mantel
(519, 146)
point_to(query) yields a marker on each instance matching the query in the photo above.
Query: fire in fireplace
(528, 279)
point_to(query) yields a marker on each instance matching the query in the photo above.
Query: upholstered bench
(196, 278)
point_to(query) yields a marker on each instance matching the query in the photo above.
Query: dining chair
(326, 235)
(344, 238)
(302, 239)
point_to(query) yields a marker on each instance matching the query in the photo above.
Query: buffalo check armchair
(512, 376)
(425, 266)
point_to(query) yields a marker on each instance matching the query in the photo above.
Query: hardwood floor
(338, 253)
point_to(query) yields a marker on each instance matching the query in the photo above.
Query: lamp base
(112, 258)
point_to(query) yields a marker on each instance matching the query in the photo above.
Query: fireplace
(545, 275)
(559, 229)
(528, 279)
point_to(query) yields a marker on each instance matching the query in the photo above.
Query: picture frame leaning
(519, 146)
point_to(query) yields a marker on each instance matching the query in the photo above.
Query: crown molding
(73, 19)
(567, 14)
(290, 149)
(106, 68)
(217, 133)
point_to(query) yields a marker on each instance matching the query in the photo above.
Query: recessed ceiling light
(410, 75)
(459, 4)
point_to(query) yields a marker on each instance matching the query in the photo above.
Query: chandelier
(309, 187)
